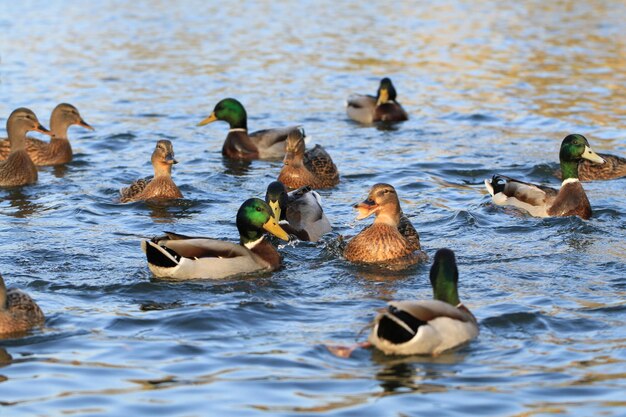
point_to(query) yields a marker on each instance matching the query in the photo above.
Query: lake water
(490, 87)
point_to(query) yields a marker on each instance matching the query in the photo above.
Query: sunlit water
(490, 88)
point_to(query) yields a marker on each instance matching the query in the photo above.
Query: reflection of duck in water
(18, 312)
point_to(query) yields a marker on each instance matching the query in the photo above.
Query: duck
(391, 237)
(18, 311)
(299, 212)
(313, 167)
(18, 169)
(239, 144)
(544, 201)
(181, 257)
(161, 186)
(427, 327)
(613, 167)
(58, 151)
(367, 109)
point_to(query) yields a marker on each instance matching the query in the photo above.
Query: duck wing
(361, 108)
(304, 213)
(319, 162)
(406, 229)
(128, 194)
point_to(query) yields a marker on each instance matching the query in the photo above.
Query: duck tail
(160, 255)
(495, 185)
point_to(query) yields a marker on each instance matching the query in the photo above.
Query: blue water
(489, 88)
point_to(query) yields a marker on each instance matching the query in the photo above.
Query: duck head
(383, 202)
(254, 218)
(228, 110)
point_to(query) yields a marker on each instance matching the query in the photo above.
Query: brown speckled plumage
(18, 312)
(58, 150)
(314, 168)
(613, 167)
(161, 186)
(391, 237)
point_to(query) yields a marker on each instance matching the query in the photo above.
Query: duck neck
(444, 279)
(162, 169)
(569, 169)
(58, 128)
(17, 138)
(388, 215)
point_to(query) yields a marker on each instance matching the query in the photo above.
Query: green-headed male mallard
(18, 312)
(427, 327)
(18, 169)
(161, 186)
(542, 201)
(58, 150)
(182, 257)
(391, 237)
(298, 212)
(368, 109)
(263, 144)
(313, 167)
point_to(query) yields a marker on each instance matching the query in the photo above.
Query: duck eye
(259, 209)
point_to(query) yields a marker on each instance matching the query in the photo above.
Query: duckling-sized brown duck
(18, 312)
(391, 236)
(313, 168)
(161, 186)
(368, 109)
(239, 144)
(18, 169)
(58, 150)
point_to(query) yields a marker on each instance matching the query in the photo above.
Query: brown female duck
(18, 312)
(542, 201)
(58, 150)
(613, 167)
(161, 185)
(18, 169)
(368, 109)
(391, 236)
(313, 168)
(239, 144)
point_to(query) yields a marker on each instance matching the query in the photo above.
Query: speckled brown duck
(542, 201)
(18, 169)
(613, 167)
(313, 167)
(391, 237)
(239, 144)
(18, 312)
(368, 109)
(161, 186)
(58, 151)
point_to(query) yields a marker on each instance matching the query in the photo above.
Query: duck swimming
(182, 257)
(314, 168)
(542, 201)
(18, 169)
(239, 144)
(161, 186)
(18, 312)
(58, 150)
(367, 109)
(391, 237)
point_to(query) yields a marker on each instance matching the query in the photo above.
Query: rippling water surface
(490, 87)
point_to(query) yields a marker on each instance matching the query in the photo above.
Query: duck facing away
(299, 212)
(314, 167)
(391, 237)
(367, 109)
(542, 201)
(18, 169)
(18, 312)
(239, 144)
(182, 257)
(58, 151)
(161, 186)
(427, 327)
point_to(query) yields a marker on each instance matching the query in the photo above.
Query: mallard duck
(161, 185)
(427, 327)
(542, 201)
(58, 150)
(182, 257)
(18, 312)
(390, 237)
(368, 109)
(314, 167)
(614, 167)
(18, 169)
(298, 212)
(263, 144)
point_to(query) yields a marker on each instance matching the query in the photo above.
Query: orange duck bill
(366, 208)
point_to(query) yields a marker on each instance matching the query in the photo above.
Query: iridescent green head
(231, 111)
(254, 218)
(386, 92)
(444, 277)
(574, 148)
(276, 197)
